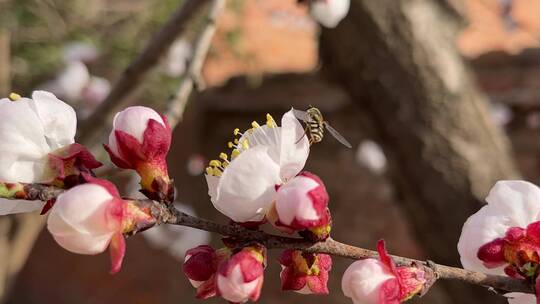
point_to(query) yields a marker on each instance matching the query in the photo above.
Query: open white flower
(31, 129)
(502, 236)
(329, 12)
(510, 204)
(243, 188)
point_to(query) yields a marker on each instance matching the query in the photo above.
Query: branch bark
(193, 78)
(135, 72)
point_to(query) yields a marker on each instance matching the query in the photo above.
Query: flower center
(240, 143)
(519, 250)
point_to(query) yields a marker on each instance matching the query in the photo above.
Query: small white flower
(82, 219)
(510, 204)
(176, 60)
(363, 280)
(265, 156)
(71, 81)
(370, 155)
(329, 12)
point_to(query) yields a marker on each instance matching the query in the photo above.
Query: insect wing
(302, 115)
(337, 136)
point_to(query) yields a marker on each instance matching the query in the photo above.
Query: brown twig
(134, 73)
(163, 214)
(178, 102)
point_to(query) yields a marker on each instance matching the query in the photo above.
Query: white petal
(83, 210)
(213, 182)
(19, 206)
(517, 201)
(294, 149)
(293, 202)
(58, 118)
(247, 187)
(83, 243)
(363, 279)
(134, 120)
(329, 12)
(510, 204)
(520, 298)
(233, 288)
(23, 150)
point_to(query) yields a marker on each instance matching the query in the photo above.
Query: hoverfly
(315, 125)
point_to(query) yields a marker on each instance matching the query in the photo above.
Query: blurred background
(440, 99)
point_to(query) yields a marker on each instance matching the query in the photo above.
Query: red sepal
(72, 161)
(117, 249)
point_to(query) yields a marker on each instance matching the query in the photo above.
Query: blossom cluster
(260, 181)
(39, 147)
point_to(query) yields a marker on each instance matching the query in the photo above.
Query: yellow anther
(236, 141)
(255, 124)
(223, 156)
(209, 171)
(235, 153)
(14, 96)
(225, 165)
(217, 172)
(270, 121)
(230, 145)
(236, 131)
(245, 144)
(215, 163)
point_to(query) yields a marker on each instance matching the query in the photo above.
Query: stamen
(215, 163)
(245, 144)
(224, 157)
(230, 145)
(14, 96)
(235, 153)
(255, 124)
(209, 171)
(236, 132)
(270, 122)
(236, 141)
(217, 172)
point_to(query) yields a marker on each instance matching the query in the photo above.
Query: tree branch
(178, 102)
(169, 215)
(134, 73)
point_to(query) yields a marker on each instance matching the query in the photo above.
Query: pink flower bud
(372, 281)
(301, 204)
(88, 218)
(200, 266)
(140, 140)
(305, 273)
(240, 278)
